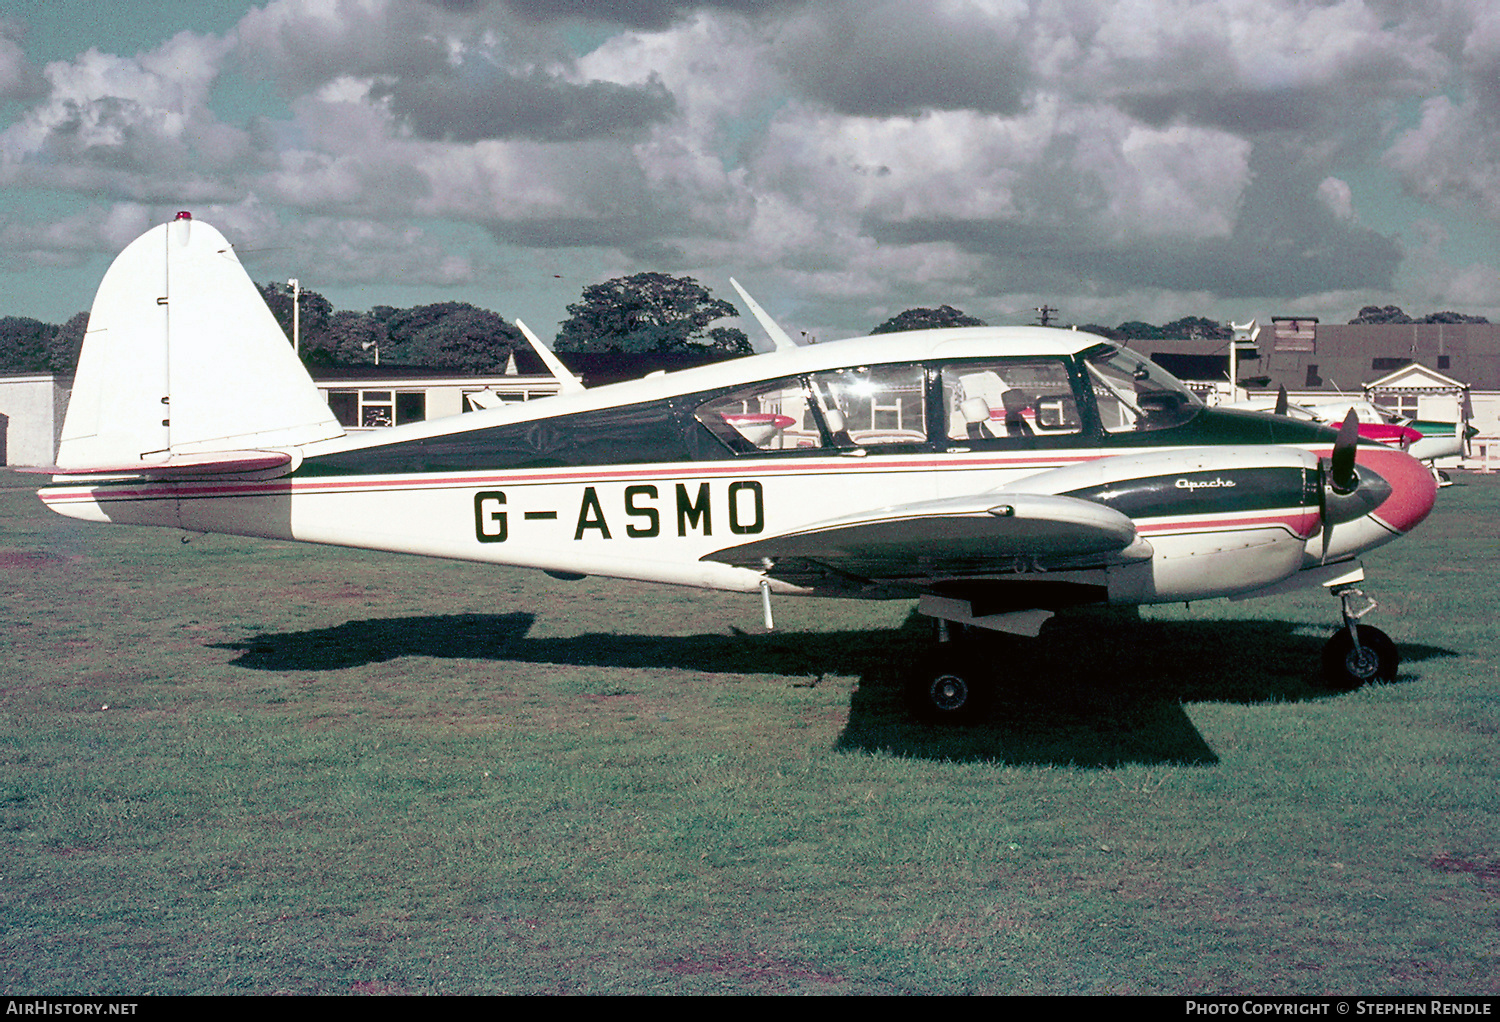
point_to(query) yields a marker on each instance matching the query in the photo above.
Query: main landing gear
(951, 686)
(1356, 653)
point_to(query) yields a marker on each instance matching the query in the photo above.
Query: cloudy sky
(846, 159)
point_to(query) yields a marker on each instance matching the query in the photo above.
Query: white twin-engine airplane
(993, 474)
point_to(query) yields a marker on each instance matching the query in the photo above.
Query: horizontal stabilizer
(957, 537)
(241, 464)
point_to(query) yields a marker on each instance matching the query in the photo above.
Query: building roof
(1347, 357)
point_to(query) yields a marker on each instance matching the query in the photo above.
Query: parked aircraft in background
(994, 475)
(1424, 439)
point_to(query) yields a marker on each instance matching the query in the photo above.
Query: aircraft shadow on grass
(1099, 688)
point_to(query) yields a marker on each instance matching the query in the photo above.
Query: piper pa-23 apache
(995, 475)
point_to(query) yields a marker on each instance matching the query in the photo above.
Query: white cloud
(1338, 197)
(137, 128)
(1450, 157)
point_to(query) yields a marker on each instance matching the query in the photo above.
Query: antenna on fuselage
(779, 337)
(567, 382)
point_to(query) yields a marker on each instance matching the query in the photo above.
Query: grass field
(241, 766)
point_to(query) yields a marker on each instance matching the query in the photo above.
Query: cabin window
(649, 433)
(993, 399)
(772, 416)
(1134, 393)
(875, 405)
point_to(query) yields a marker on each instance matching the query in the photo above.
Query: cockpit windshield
(1134, 393)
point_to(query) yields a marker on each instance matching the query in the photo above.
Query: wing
(953, 538)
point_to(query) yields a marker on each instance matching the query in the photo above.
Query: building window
(345, 406)
(373, 409)
(507, 397)
(1313, 379)
(1404, 405)
(1387, 364)
(411, 406)
(1442, 361)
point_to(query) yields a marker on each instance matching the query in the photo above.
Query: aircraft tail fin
(182, 357)
(568, 383)
(779, 337)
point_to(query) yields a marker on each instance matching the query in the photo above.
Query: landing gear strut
(1356, 653)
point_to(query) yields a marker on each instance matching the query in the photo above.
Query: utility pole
(1046, 313)
(296, 287)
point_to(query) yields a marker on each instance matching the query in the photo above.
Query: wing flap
(958, 537)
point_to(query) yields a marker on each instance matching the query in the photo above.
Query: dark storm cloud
(459, 6)
(620, 230)
(306, 48)
(1254, 263)
(1285, 244)
(19, 78)
(464, 106)
(651, 15)
(1243, 111)
(893, 61)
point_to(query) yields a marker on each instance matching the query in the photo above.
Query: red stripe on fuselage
(583, 474)
(1300, 523)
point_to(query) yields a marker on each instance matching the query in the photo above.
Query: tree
(1379, 314)
(352, 338)
(927, 319)
(1189, 326)
(465, 338)
(650, 312)
(1135, 330)
(444, 335)
(66, 343)
(1452, 317)
(23, 345)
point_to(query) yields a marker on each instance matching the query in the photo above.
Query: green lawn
(233, 765)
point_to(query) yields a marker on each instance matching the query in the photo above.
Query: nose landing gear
(1357, 654)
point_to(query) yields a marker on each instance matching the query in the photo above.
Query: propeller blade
(1282, 405)
(1341, 466)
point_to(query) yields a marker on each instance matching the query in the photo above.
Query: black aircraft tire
(949, 690)
(1346, 670)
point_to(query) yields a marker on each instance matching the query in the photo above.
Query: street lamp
(1243, 340)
